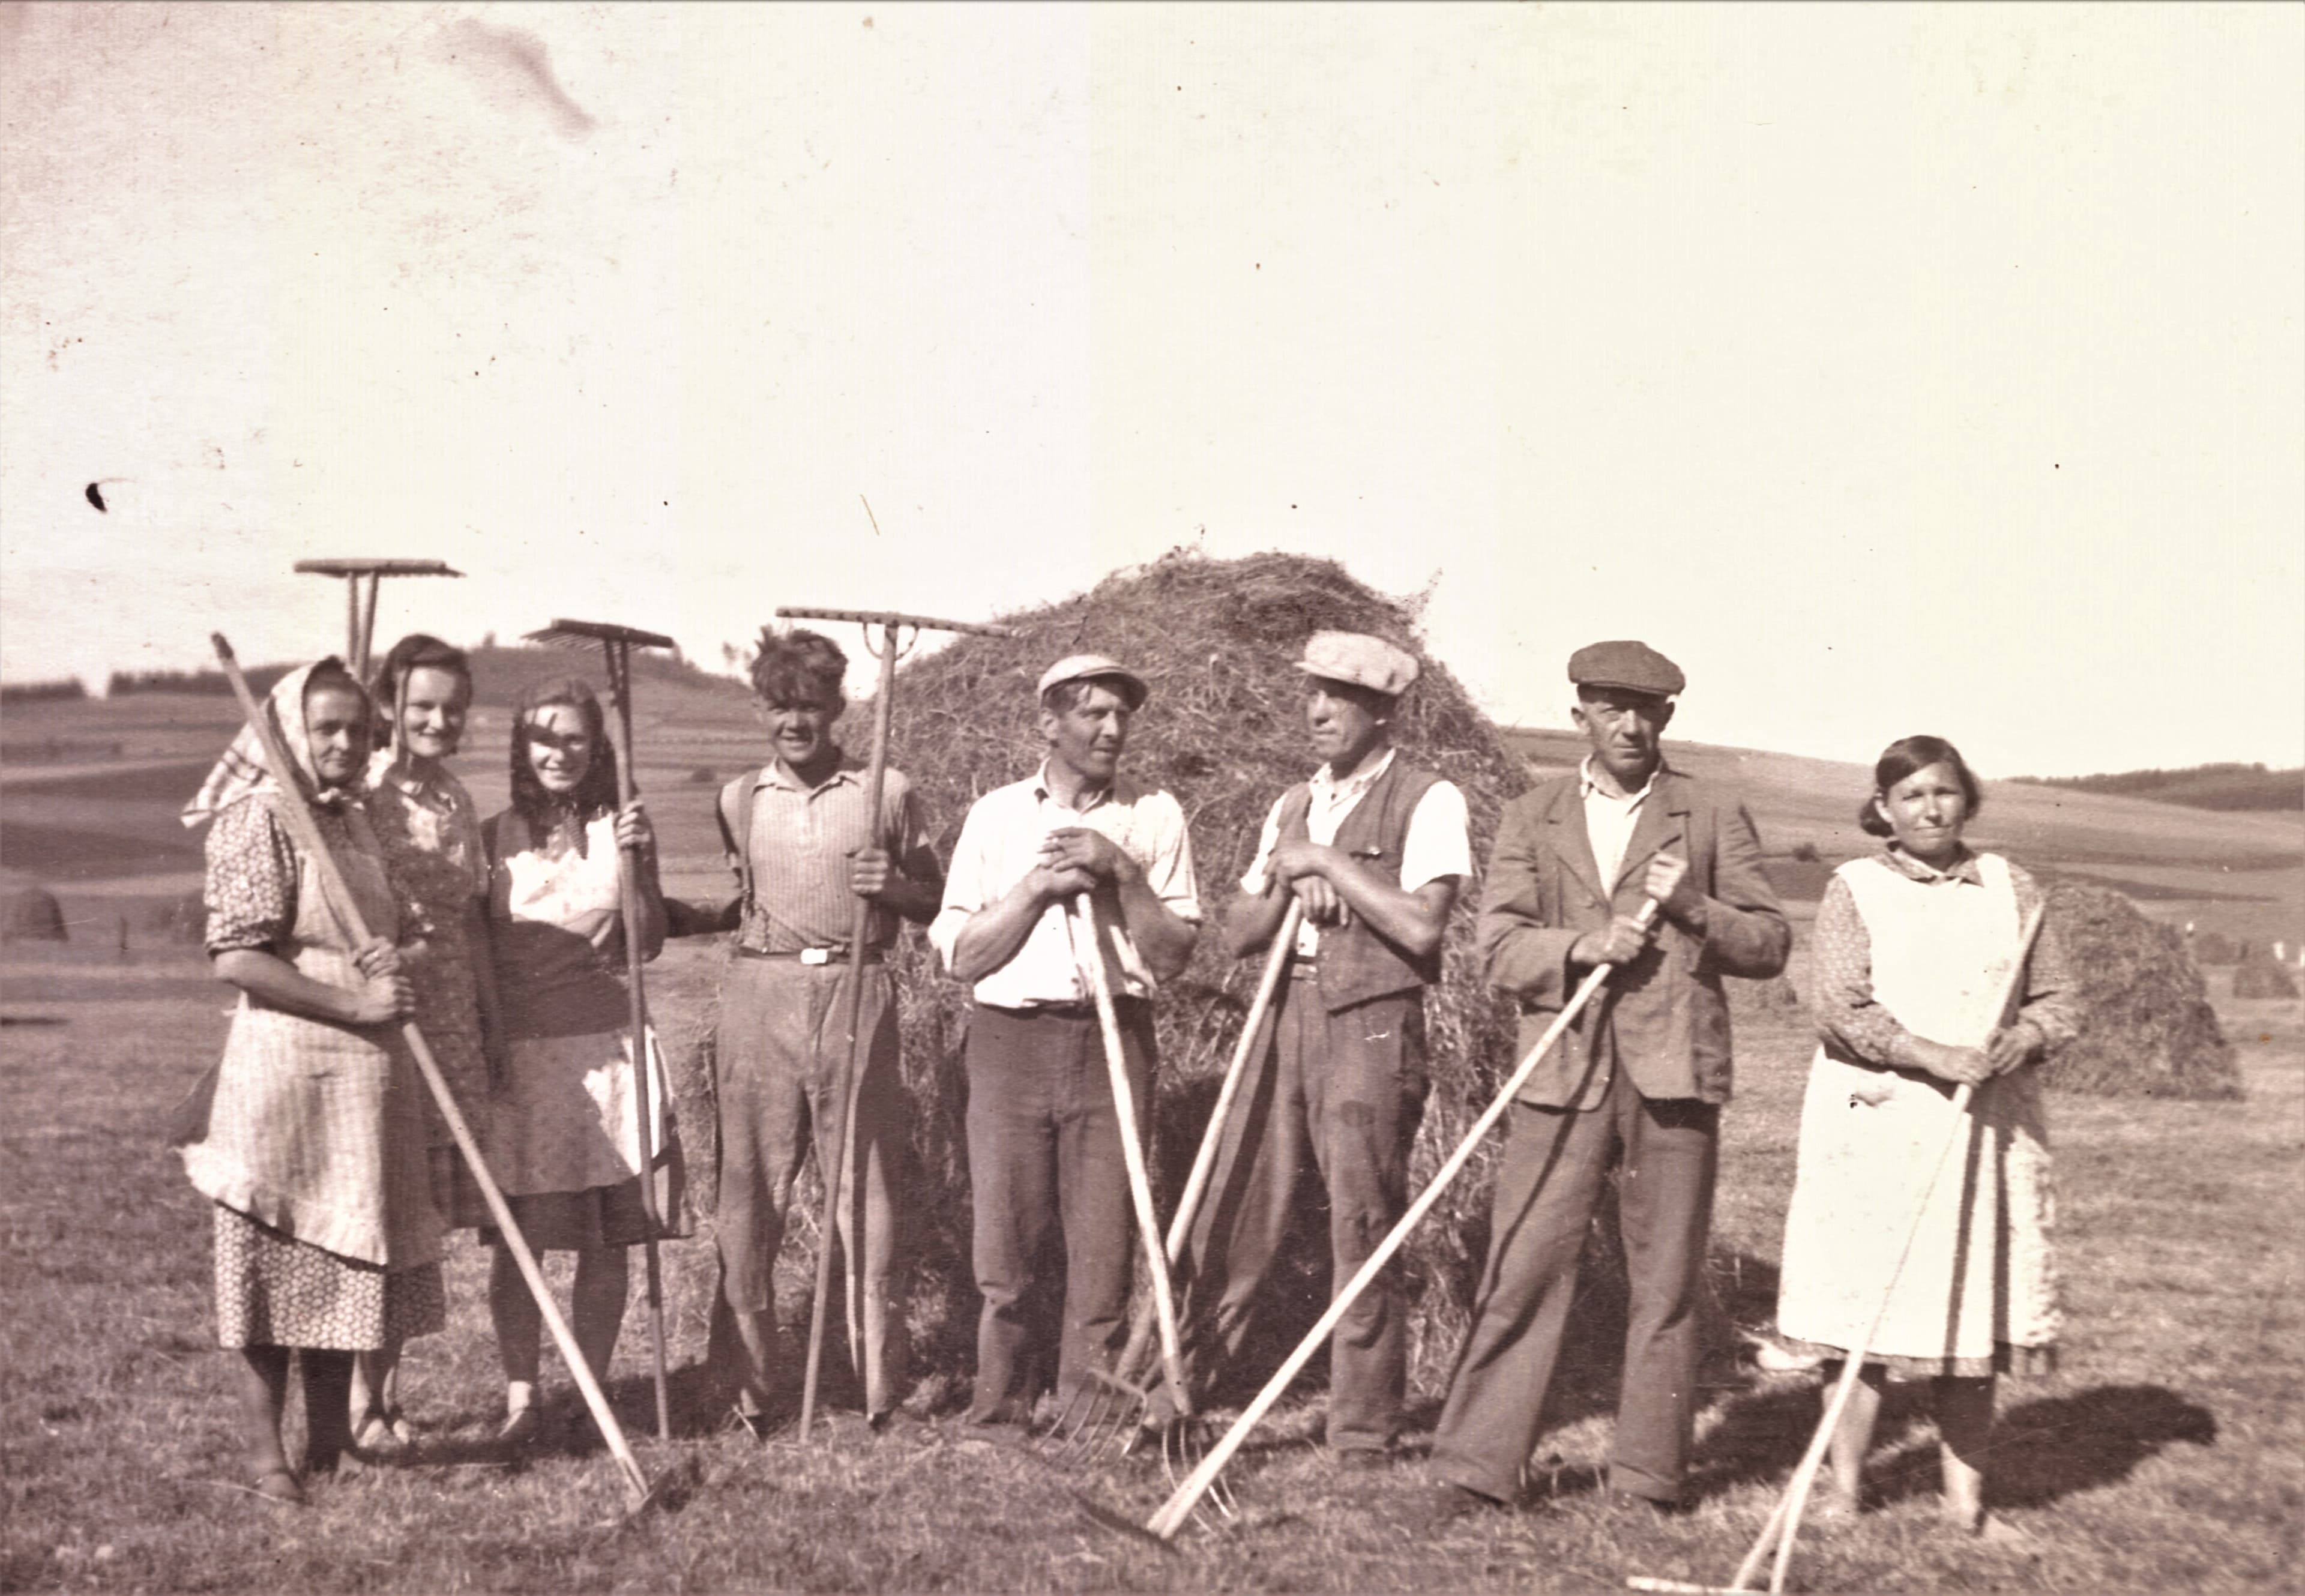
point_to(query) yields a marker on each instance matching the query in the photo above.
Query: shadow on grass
(2058, 1447)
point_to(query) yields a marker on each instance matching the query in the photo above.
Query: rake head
(584, 634)
(1111, 1419)
(1103, 1421)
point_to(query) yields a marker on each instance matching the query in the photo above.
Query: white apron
(1981, 1270)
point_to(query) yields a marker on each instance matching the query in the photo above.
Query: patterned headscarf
(240, 770)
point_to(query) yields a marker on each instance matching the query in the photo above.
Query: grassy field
(2165, 1454)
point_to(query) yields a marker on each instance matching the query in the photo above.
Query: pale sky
(1893, 368)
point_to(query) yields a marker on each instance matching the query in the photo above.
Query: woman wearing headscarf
(564, 1138)
(1914, 948)
(431, 831)
(326, 1240)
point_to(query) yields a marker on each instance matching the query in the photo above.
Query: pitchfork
(1111, 1413)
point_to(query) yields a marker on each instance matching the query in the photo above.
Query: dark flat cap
(1635, 667)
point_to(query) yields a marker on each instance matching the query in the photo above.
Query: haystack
(30, 913)
(2260, 975)
(2148, 1030)
(1224, 731)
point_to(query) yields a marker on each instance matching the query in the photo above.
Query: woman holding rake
(1913, 949)
(564, 1132)
(431, 831)
(313, 1151)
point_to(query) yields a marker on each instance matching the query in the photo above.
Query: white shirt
(1438, 845)
(1000, 844)
(1609, 821)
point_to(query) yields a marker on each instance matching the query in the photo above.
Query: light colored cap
(1089, 667)
(1356, 657)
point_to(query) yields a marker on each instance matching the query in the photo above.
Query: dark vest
(1356, 964)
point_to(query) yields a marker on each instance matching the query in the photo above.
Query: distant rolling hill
(2202, 786)
(2240, 873)
(88, 791)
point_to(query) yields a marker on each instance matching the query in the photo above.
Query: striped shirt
(999, 845)
(799, 848)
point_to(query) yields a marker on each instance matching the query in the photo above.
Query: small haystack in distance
(2148, 1029)
(30, 913)
(2260, 975)
(1224, 731)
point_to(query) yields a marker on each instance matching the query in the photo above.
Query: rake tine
(1093, 1422)
(1183, 1445)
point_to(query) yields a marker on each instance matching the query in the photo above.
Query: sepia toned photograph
(1151, 797)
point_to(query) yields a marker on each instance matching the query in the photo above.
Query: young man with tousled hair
(1372, 847)
(1046, 1169)
(1638, 1083)
(803, 850)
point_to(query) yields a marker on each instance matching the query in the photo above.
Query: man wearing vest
(803, 850)
(1638, 1082)
(1373, 848)
(1046, 1177)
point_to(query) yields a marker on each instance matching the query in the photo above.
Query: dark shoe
(1439, 1506)
(1365, 1460)
(1662, 1507)
(893, 1423)
(1007, 1434)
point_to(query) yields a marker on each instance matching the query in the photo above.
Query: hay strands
(618, 643)
(298, 818)
(1171, 1515)
(1783, 1525)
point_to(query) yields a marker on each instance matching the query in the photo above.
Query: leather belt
(1063, 1011)
(810, 956)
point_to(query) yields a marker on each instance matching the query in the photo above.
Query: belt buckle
(816, 956)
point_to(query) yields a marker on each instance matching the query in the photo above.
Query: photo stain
(95, 496)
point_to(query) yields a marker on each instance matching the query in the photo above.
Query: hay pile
(2260, 975)
(29, 912)
(1224, 732)
(2148, 1030)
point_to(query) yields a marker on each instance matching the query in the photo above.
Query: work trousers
(1050, 1191)
(1336, 1098)
(1548, 1180)
(782, 1046)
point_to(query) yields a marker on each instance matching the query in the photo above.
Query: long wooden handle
(1205, 1161)
(1171, 1515)
(630, 866)
(1081, 918)
(1783, 1525)
(848, 1085)
(307, 831)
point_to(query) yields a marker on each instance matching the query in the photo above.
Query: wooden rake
(299, 821)
(617, 643)
(1783, 1525)
(888, 650)
(360, 621)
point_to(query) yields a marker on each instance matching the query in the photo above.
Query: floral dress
(325, 1235)
(431, 831)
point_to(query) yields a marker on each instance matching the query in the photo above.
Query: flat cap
(1356, 657)
(1635, 667)
(1089, 667)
